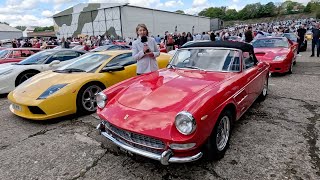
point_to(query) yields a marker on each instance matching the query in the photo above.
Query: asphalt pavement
(275, 139)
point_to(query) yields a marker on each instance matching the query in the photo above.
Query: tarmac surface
(275, 139)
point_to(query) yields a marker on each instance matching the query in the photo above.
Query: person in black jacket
(183, 39)
(316, 40)
(212, 36)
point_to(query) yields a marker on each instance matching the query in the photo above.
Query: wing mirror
(55, 62)
(112, 69)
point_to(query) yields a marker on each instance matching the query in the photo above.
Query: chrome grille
(136, 140)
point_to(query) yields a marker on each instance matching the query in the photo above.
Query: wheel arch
(25, 71)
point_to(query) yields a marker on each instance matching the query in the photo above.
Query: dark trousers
(300, 41)
(316, 43)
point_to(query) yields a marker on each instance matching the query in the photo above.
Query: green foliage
(258, 10)
(180, 11)
(22, 28)
(41, 29)
(4, 23)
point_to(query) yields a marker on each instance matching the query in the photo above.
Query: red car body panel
(152, 101)
(268, 55)
(18, 54)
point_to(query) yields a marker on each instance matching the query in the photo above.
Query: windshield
(100, 48)
(3, 53)
(207, 59)
(292, 37)
(86, 63)
(38, 58)
(270, 43)
(78, 47)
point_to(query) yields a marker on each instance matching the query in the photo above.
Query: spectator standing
(158, 39)
(205, 36)
(145, 51)
(85, 46)
(189, 37)
(248, 35)
(14, 43)
(183, 39)
(212, 36)
(316, 40)
(169, 42)
(198, 37)
(301, 34)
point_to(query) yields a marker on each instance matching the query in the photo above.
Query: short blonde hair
(142, 26)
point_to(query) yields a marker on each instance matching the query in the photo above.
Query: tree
(180, 11)
(4, 23)
(41, 29)
(231, 14)
(213, 12)
(307, 9)
(22, 28)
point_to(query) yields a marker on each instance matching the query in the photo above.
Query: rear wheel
(218, 142)
(25, 76)
(86, 98)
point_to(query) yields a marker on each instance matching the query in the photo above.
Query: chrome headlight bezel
(101, 100)
(280, 58)
(182, 118)
(51, 90)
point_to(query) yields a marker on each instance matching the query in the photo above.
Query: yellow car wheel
(86, 98)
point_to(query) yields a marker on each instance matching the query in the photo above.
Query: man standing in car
(249, 35)
(301, 33)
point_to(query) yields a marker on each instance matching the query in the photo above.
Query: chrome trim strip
(162, 158)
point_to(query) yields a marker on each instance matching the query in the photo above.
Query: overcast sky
(38, 12)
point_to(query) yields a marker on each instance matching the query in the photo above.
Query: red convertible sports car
(11, 55)
(279, 52)
(184, 112)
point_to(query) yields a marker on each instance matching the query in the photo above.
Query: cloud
(47, 13)
(26, 20)
(199, 3)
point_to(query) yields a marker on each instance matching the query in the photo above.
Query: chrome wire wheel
(265, 88)
(26, 76)
(223, 133)
(89, 101)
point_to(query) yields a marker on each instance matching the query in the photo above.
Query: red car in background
(184, 112)
(279, 52)
(11, 55)
(119, 42)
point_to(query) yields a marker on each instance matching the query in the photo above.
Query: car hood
(39, 83)
(268, 54)
(5, 66)
(168, 89)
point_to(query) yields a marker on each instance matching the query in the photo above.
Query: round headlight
(101, 100)
(185, 123)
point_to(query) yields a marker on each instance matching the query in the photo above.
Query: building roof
(85, 7)
(7, 28)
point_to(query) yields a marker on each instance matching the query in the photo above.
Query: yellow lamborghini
(72, 88)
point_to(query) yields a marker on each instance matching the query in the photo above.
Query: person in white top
(145, 51)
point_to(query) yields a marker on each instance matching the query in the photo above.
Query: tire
(264, 93)
(86, 101)
(291, 67)
(24, 76)
(214, 151)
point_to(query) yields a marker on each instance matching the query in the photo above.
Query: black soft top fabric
(245, 47)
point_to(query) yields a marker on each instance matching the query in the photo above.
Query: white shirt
(145, 64)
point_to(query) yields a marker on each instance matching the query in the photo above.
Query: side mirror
(55, 62)
(112, 69)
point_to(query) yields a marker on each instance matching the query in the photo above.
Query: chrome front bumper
(165, 158)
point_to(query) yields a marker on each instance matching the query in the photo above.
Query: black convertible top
(245, 47)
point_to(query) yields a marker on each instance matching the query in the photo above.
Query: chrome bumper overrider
(165, 158)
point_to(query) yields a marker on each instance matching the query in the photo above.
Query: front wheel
(218, 142)
(86, 99)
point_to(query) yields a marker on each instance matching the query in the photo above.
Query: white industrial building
(120, 20)
(7, 32)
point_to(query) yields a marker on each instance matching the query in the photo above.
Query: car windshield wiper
(172, 66)
(69, 70)
(193, 67)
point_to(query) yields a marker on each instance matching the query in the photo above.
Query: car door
(14, 56)
(251, 82)
(126, 60)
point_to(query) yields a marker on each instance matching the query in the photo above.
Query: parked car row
(178, 114)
